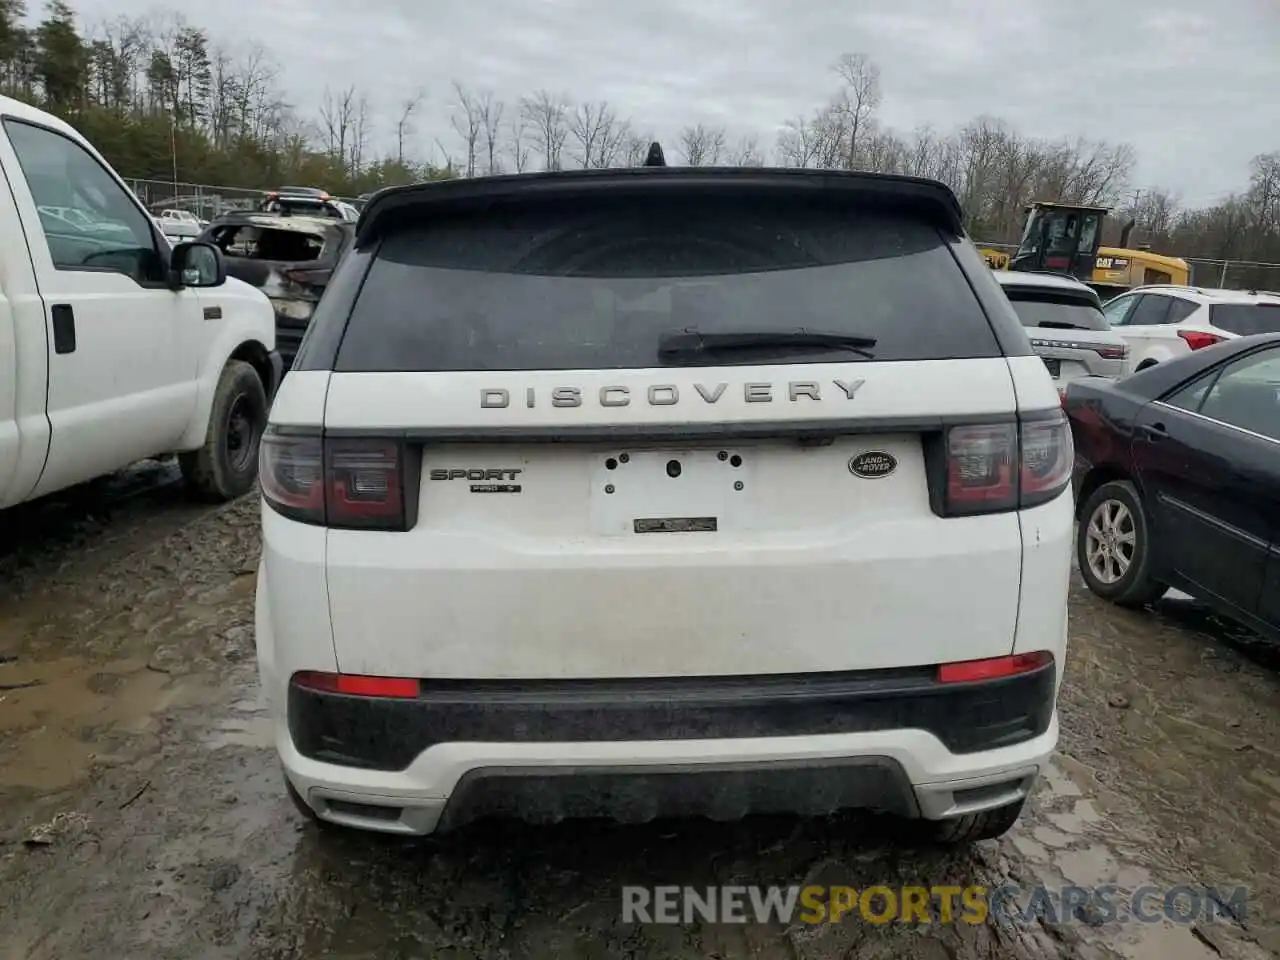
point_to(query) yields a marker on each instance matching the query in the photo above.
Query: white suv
(664, 491)
(1064, 319)
(1162, 322)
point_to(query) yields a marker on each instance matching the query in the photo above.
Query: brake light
(1112, 352)
(969, 671)
(1196, 339)
(355, 685)
(990, 468)
(353, 484)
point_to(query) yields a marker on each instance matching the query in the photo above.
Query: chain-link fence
(204, 200)
(1235, 274)
(1205, 272)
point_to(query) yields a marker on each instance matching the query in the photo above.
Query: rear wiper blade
(691, 342)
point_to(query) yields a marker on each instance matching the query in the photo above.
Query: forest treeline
(162, 100)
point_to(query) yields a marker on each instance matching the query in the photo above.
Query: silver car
(1064, 320)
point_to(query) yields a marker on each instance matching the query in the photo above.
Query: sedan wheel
(1113, 547)
(1110, 539)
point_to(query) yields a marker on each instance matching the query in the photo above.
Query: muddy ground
(143, 815)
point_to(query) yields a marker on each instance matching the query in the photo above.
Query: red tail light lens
(291, 473)
(969, 671)
(364, 484)
(1047, 459)
(1112, 352)
(991, 468)
(981, 468)
(352, 484)
(1197, 339)
(358, 686)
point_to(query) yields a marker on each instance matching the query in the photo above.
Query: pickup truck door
(1209, 458)
(120, 385)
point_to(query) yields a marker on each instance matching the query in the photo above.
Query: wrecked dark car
(289, 258)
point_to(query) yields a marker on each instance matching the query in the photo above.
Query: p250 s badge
(873, 464)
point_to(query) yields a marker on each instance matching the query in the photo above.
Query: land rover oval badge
(873, 464)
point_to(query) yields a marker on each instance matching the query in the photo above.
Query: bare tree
(490, 113)
(361, 127)
(546, 114)
(798, 143)
(859, 98)
(466, 123)
(404, 125)
(746, 153)
(701, 145)
(518, 135)
(592, 127)
(337, 120)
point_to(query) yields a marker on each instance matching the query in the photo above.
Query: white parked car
(1064, 320)
(116, 347)
(664, 491)
(181, 224)
(1161, 322)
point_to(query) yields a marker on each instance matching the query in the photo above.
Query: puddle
(58, 716)
(1068, 840)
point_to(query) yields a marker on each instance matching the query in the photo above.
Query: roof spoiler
(928, 200)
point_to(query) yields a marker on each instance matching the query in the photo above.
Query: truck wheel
(227, 465)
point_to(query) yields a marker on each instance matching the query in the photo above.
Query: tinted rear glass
(595, 286)
(1245, 319)
(1047, 310)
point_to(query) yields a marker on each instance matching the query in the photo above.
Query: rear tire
(1113, 546)
(986, 825)
(226, 467)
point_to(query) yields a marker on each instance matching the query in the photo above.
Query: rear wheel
(1113, 546)
(227, 465)
(986, 825)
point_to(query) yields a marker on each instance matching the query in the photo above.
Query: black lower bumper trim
(388, 734)
(718, 792)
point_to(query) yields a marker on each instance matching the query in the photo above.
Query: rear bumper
(379, 733)
(710, 748)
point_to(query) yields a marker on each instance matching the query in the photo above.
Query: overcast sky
(1194, 85)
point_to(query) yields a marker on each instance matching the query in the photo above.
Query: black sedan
(1178, 481)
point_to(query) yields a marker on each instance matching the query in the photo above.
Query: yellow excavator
(1066, 238)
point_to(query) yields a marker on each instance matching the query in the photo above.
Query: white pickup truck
(114, 346)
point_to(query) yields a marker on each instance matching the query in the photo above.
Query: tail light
(1112, 352)
(356, 685)
(353, 484)
(968, 671)
(1197, 339)
(990, 468)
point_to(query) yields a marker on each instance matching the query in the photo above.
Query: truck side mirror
(196, 264)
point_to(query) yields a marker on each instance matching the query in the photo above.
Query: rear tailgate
(1071, 354)
(584, 509)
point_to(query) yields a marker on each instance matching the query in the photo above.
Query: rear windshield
(1056, 312)
(596, 287)
(1246, 319)
(265, 243)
